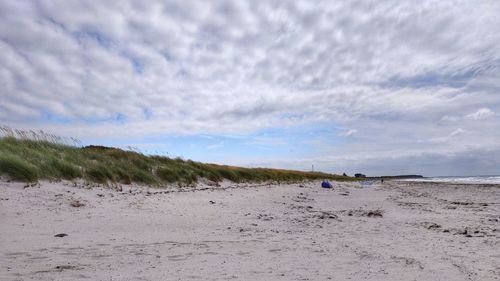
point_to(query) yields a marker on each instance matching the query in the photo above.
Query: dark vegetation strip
(30, 160)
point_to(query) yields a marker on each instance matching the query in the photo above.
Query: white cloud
(350, 132)
(449, 118)
(457, 132)
(481, 113)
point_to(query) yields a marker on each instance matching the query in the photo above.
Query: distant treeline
(398, 177)
(359, 175)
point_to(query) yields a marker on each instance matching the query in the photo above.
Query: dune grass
(17, 169)
(30, 160)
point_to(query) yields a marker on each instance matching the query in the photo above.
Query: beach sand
(389, 231)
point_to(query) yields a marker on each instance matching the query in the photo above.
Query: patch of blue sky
(50, 117)
(96, 36)
(54, 118)
(433, 79)
(292, 143)
(118, 118)
(137, 65)
(148, 113)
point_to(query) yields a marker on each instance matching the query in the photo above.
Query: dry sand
(391, 231)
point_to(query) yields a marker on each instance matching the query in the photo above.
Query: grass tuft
(99, 173)
(17, 169)
(167, 174)
(143, 177)
(66, 170)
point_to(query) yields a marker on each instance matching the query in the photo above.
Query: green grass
(64, 169)
(30, 160)
(17, 169)
(99, 173)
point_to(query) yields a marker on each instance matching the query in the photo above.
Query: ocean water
(462, 180)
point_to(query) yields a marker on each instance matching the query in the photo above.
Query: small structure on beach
(326, 184)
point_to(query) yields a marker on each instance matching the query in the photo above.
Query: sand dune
(390, 231)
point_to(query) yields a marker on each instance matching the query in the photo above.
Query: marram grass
(31, 160)
(17, 168)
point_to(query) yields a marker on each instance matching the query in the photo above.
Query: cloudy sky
(379, 87)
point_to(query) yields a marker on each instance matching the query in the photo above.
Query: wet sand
(390, 231)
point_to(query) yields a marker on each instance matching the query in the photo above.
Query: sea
(460, 180)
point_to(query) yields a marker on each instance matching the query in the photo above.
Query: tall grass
(17, 169)
(29, 159)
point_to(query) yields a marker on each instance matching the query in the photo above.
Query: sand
(390, 231)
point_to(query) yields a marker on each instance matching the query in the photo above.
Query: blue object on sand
(326, 184)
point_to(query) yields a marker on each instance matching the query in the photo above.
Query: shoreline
(447, 183)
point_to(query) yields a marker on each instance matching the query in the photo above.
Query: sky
(377, 87)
